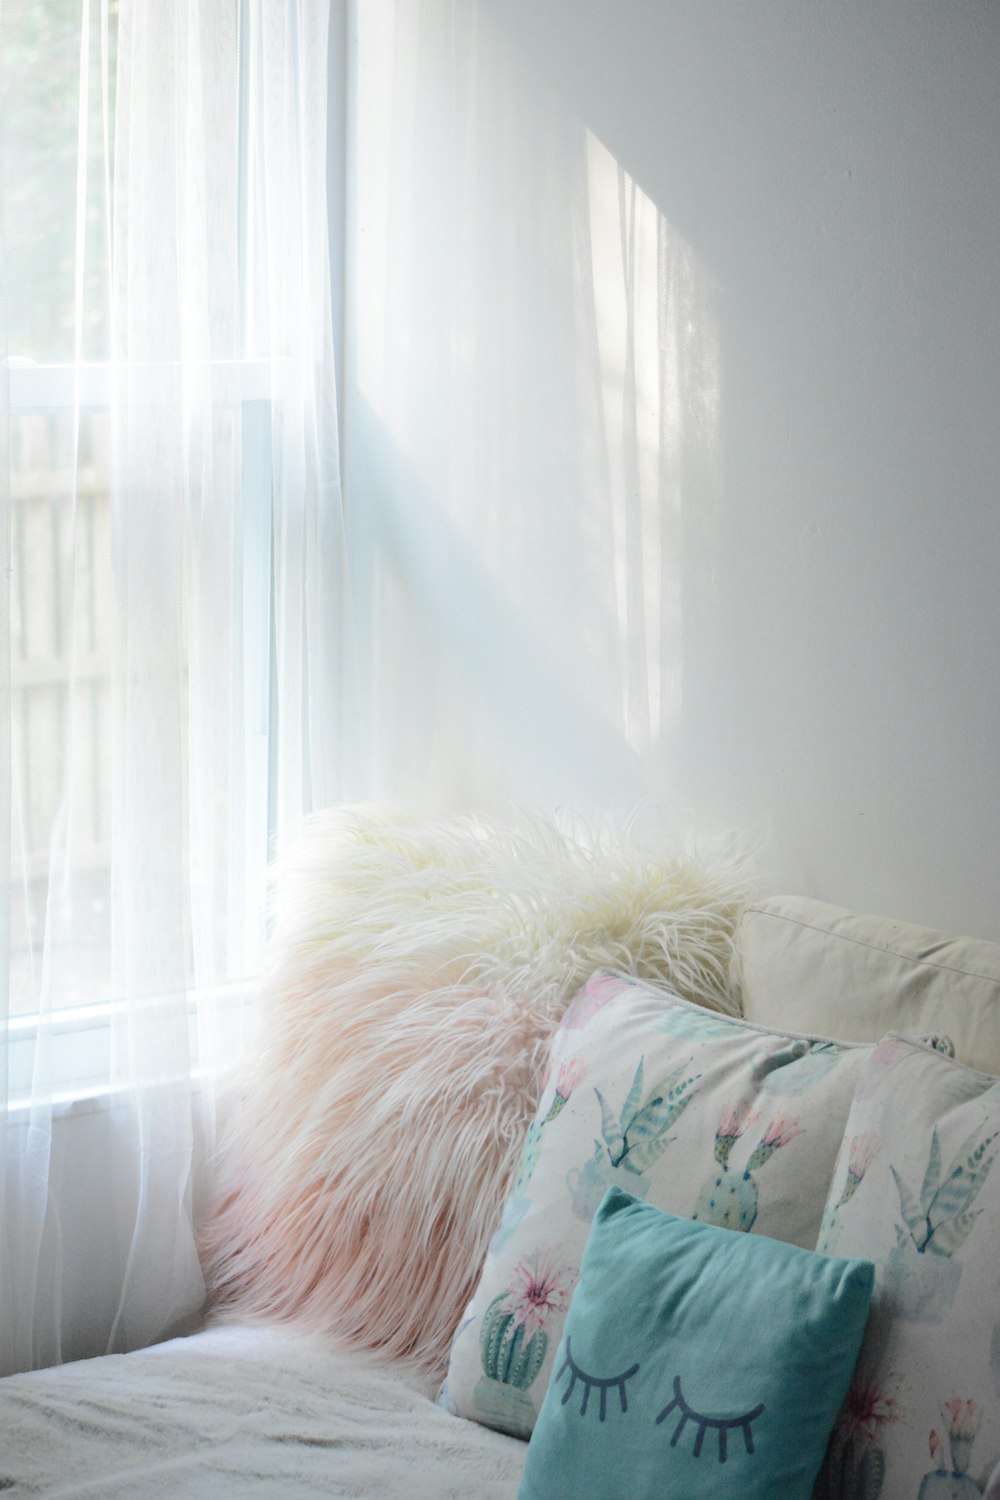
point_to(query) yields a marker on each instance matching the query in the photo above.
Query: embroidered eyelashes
(603, 1384)
(593, 1382)
(722, 1425)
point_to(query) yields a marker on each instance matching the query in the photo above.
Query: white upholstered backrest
(806, 966)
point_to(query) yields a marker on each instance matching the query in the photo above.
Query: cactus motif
(632, 1142)
(861, 1153)
(730, 1197)
(855, 1465)
(962, 1420)
(518, 1202)
(921, 1274)
(513, 1342)
(862, 1471)
(507, 1355)
(568, 1078)
(801, 1066)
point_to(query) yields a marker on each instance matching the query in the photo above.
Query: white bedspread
(240, 1412)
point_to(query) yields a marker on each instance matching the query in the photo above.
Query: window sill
(37, 387)
(79, 1039)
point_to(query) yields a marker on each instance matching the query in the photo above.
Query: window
(59, 66)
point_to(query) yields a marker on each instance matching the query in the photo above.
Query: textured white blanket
(246, 1414)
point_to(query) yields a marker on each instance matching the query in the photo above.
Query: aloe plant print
(943, 1217)
(632, 1141)
(731, 1197)
(962, 1420)
(922, 1271)
(637, 1138)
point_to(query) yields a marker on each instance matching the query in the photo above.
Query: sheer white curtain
(176, 639)
(531, 421)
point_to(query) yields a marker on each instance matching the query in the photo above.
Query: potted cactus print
(861, 1469)
(922, 1272)
(513, 1342)
(632, 1142)
(962, 1420)
(730, 1197)
(855, 1463)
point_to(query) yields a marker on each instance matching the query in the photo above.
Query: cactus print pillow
(703, 1115)
(917, 1190)
(695, 1362)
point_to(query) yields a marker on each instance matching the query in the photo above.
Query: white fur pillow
(416, 975)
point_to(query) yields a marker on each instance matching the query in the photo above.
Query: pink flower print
(780, 1132)
(736, 1119)
(594, 996)
(540, 1287)
(934, 1443)
(963, 1417)
(868, 1408)
(889, 1053)
(777, 1134)
(862, 1152)
(569, 1077)
(860, 1155)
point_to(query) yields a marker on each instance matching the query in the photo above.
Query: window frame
(79, 1036)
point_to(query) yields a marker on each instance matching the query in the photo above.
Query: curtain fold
(178, 635)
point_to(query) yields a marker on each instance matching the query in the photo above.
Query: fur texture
(415, 977)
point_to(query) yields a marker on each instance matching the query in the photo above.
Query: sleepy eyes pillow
(703, 1115)
(695, 1362)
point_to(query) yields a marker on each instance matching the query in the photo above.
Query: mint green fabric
(695, 1362)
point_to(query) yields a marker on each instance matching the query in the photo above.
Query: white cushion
(807, 966)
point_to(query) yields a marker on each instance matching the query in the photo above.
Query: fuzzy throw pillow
(415, 977)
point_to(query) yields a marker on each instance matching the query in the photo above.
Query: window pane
(41, 90)
(61, 690)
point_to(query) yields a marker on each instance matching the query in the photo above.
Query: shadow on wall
(467, 698)
(533, 423)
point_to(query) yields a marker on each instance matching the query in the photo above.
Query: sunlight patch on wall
(657, 347)
(532, 401)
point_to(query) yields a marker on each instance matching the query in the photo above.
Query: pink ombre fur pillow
(416, 975)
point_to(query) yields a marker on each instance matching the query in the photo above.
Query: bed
(234, 1412)
(324, 1377)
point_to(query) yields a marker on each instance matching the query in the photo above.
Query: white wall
(833, 170)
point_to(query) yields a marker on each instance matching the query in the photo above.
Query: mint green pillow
(695, 1362)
